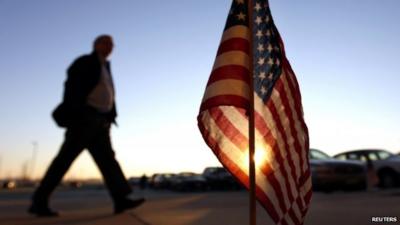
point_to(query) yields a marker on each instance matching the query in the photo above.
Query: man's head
(103, 45)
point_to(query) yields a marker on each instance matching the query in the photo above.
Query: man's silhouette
(87, 112)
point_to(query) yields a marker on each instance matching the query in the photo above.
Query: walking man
(88, 110)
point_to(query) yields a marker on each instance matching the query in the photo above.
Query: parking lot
(93, 206)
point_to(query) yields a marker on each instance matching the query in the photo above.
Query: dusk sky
(344, 53)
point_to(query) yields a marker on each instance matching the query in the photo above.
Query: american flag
(283, 183)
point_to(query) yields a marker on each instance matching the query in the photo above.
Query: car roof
(317, 150)
(361, 151)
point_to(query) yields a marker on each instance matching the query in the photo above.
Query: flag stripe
(232, 100)
(233, 168)
(232, 58)
(294, 86)
(230, 131)
(227, 87)
(296, 121)
(286, 113)
(272, 180)
(234, 44)
(280, 128)
(229, 72)
(294, 89)
(238, 31)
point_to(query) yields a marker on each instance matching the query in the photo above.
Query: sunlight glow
(261, 156)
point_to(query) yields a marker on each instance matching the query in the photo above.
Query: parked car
(330, 174)
(386, 165)
(162, 180)
(151, 180)
(218, 178)
(188, 181)
(9, 184)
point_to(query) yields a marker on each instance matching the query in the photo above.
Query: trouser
(93, 134)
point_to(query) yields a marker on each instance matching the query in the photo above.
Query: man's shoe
(126, 204)
(42, 211)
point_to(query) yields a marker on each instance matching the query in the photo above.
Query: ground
(84, 206)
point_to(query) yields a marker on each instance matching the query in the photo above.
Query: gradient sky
(345, 55)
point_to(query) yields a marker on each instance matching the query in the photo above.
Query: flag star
(269, 48)
(260, 48)
(262, 75)
(270, 76)
(276, 48)
(258, 20)
(278, 62)
(240, 1)
(267, 19)
(259, 33)
(257, 7)
(263, 90)
(270, 61)
(261, 61)
(268, 33)
(241, 16)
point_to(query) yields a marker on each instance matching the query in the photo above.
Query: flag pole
(252, 172)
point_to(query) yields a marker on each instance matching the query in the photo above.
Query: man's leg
(71, 148)
(104, 156)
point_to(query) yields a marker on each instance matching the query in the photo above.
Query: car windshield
(316, 154)
(187, 174)
(384, 154)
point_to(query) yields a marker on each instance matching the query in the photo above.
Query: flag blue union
(283, 182)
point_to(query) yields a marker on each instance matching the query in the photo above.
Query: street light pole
(33, 162)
